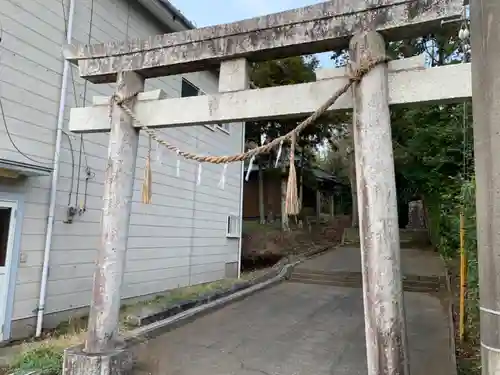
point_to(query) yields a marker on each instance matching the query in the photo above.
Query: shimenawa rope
(291, 203)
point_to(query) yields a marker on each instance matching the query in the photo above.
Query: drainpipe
(55, 177)
(242, 182)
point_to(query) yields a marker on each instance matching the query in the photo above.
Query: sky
(225, 11)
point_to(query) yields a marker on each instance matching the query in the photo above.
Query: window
(187, 90)
(224, 127)
(5, 213)
(233, 226)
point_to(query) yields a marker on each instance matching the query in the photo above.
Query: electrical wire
(72, 185)
(82, 141)
(72, 166)
(9, 135)
(88, 171)
(4, 120)
(13, 143)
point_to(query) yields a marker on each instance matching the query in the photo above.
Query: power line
(4, 120)
(13, 143)
(88, 171)
(84, 99)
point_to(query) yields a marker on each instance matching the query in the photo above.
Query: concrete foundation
(231, 271)
(77, 362)
(25, 328)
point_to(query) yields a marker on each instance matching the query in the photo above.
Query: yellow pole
(463, 276)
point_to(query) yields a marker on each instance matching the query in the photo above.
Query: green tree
(292, 70)
(428, 141)
(432, 149)
(339, 160)
(289, 71)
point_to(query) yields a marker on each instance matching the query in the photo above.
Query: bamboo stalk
(463, 277)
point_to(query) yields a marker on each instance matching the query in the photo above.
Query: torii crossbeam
(409, 83)
(312, 29)
(316, 28)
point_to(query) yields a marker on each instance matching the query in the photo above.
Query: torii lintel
(313, 29)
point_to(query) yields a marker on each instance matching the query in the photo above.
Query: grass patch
(49, 358)
(254, 226)
(171, 299)
(468, 352)
(46, 356)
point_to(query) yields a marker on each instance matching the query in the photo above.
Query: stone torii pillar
(385, 323)
(485, 48)
(104, 349)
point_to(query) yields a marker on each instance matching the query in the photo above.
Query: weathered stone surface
(312, 29)
(485, 42)
(416, 218)
(405, 87)
(76, 362)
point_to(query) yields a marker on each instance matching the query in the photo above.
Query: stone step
(346, 284)
(408, 237)
(332, 278)
(411, 283)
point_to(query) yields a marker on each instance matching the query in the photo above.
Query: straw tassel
(148, 180)
(292, 202)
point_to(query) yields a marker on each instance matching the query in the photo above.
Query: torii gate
(312, 29)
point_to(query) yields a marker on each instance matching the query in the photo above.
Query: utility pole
(385, 326)
(485, 47)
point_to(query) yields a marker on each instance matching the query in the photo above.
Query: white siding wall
(177, 240)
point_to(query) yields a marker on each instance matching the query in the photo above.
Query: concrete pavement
(413, 262)
(299, 328)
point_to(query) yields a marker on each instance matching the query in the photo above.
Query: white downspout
(55, 177)
(242, 182)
